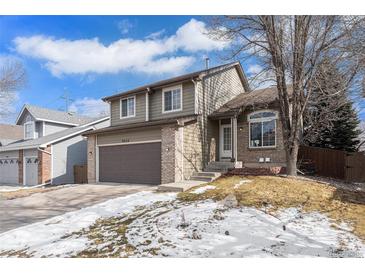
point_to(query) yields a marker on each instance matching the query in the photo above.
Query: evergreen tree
(330, 120)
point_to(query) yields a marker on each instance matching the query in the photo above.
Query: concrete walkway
(41, 206)
(180, 186)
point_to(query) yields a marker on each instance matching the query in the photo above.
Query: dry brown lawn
(280, 193)
(25, 192)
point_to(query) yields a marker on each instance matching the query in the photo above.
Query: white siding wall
(9, 154)
(31, 152)
(65, 155)
(53, 127)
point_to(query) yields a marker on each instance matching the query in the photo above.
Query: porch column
(234, 137)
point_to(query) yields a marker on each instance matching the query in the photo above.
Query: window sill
(263, 148)
(171, 111)
(127, 117)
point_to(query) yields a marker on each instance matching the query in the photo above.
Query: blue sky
(59, 54)
(90, 57)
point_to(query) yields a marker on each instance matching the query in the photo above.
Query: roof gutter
(44, 145)
(65, 137)
(145, 89)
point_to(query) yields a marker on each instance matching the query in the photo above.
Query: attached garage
(131, 163)
(31, 171)
(9, 170)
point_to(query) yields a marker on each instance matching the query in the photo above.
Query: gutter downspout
(195, 96)
(148, 104)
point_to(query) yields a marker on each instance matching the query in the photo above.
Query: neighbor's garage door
(137, 163)
(9, 171)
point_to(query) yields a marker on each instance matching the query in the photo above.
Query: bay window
(262, 126)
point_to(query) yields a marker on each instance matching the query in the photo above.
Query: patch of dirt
(108, 235)
(274, 193)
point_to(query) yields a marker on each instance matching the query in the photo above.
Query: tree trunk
(291, 160)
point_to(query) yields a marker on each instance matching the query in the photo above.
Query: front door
(225, 142)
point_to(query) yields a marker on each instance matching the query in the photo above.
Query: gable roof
(11, 132)
(253, 98)
(182, 78)
(51, 115)
(52, 138)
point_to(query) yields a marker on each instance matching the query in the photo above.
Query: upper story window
(262, 129)
(172, 99)
(29, 130)
(128, 107)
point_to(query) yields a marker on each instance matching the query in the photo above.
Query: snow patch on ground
(203, 189)
(46, 238)
(240, 232)
(162, 226)
(241, 183)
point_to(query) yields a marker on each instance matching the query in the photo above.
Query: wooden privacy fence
(348, 166)
(80, 174)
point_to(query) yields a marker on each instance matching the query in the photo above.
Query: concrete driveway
(41, 206)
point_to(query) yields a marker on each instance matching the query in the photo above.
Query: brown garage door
(138, 163)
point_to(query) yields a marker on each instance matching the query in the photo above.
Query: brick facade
(250, 156)
(91, 159)
(168, 154)
(44, 165)
(20, 167)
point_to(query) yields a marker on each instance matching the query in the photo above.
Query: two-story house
(52, 144)
(164, 132)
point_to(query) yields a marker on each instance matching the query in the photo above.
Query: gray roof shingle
(11, 132)
(21, 144)
(253, 98)
(40, 113)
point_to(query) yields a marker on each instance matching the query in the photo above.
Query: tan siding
(188, 103)
(192, 149)
(215, 90)
(130, 136)
(140, 111)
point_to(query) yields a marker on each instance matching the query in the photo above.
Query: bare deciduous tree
(12, 78)
(291, 49)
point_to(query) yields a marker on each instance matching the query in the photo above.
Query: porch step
(219, 166)
(201, 178)
(210, 174)
(205, 176)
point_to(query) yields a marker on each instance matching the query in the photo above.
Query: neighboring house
(164, 132)
(52, 144)
(10, 133)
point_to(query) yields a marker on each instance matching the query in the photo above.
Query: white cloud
(90, 107)
(155, 35)
(124, 26)
(149, 56)
(254, 69)
(193, 37)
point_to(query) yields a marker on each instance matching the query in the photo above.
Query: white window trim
(33, 127)
(261, 120)
(120, 107)
(164, 90)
